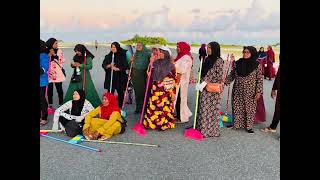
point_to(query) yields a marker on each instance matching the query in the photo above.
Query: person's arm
(89, 116)
(87, 107)
(44, 63)
(88, 65)
(106, 63)
(184, 66)
(61, 112)
(276, 82)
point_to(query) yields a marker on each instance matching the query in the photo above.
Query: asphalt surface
(236, 154)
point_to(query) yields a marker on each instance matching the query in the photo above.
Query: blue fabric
(44, 63)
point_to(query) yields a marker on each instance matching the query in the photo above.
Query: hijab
(211, 59)
(184, 49)
(77, 105)
(142, 58)
(106, 111)
(245, 66)
(162, 67)
(81, 48)
(43, 47)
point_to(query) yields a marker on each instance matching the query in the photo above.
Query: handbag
(213, 88)
(123, 125)
(62, 69)
(73, 128)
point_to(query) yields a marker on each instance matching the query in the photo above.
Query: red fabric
(106, 111)
(270, 55)
(260, 111)
(184, 49)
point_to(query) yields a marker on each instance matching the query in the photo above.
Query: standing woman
(209, 104)
(56, 76)
(119, 67)
(139, 74)
(202, 52)
(45, 54)
(270, 60)
(247, 88)
(78, 76)
(183, 64)
(262, 58)
(159, 114)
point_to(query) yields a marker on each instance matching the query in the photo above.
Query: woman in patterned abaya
(209, 104)
(247, 88)
(159, 113)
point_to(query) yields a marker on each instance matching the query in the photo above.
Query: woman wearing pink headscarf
(183, 64)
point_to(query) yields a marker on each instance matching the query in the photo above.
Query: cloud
(195, 11)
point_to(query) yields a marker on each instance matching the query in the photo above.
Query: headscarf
(184, 49)
(77, 105)
(162, 67)
(245, 66)
(49, 44)
(81, 48)
(211, 59)
(261, 54)
(43, 47)
(270, 54)
(106, 111)
(141, 58)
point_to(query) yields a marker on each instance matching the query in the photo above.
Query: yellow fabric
(107, 128)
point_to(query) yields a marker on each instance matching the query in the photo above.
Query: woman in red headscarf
(268, 71)
(107, 124)
(183, 64)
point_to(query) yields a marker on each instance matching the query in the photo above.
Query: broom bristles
(139, 129)
(193, 134)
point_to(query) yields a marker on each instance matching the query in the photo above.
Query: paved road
(234, 155)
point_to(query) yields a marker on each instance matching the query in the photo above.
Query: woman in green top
(139, 74)
(77, 83)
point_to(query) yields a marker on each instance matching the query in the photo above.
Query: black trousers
(43, 104)
(177, 107)
(59, 91)
(276, 115)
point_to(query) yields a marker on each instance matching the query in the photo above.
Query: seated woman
(70, 115)
(109, 122)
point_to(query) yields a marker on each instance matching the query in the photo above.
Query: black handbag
(73, 128)
(76, 78)
(123, 125)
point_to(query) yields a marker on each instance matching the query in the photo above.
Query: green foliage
(146, 40)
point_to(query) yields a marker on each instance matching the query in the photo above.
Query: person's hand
(79, 119)
(178, 78)
(132, 58)
(76, 64)
(112, 64)
(86, 134)
(115, 68)
(152, 59)
(258, 95)
(173, 97)
(200, 87)
(95, 135)
(273, 94)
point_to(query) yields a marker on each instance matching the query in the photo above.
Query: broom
(225, 117)
(50, 110)
(138, 127)
(192, 133)
(123, 113)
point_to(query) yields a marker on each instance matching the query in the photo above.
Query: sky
(242, 22)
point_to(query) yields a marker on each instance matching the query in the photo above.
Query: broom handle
(125, 93)
(145, 94)
(125, 143)
(197, 97)
(84, 71)
(79, 145)
(110, 89)
(228, 96)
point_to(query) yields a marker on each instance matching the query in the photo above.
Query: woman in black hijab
(71, 114)
(209, 101)
(119, 67)
(247, 88)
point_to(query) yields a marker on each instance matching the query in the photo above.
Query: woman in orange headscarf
(109, 122)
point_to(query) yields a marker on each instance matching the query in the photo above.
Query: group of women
(165, 95)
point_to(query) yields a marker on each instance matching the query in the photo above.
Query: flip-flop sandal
(103, 138)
